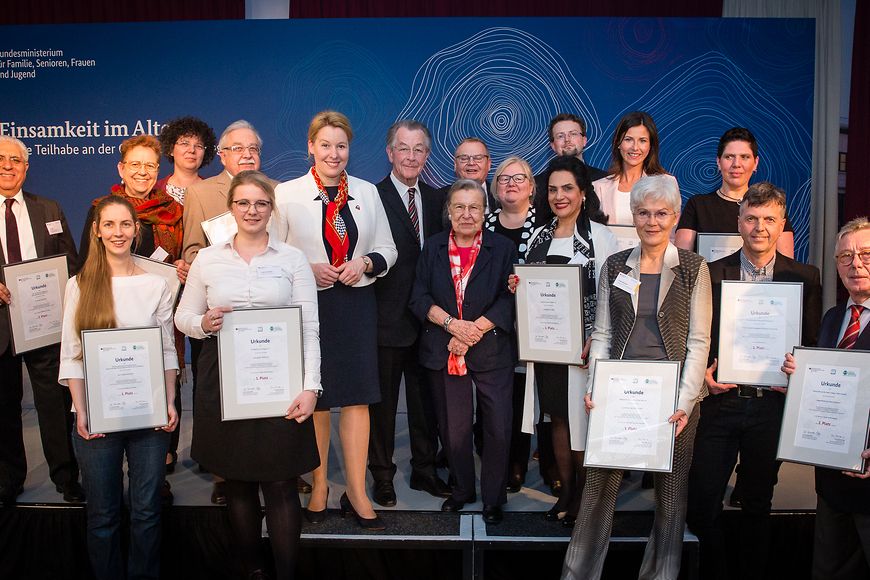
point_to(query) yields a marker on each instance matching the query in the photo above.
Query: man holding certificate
(842, 536)
(745, 419)
(31, 227)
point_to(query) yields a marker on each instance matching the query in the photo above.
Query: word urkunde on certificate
(125, 380)
(262, 369)
(827, 408)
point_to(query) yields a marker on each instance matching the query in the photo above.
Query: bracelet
(447, 322)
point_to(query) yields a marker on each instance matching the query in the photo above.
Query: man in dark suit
(745, 419)
(567, 133)
(414, 210)
(471, 160)
(32, 227)
(841, 548)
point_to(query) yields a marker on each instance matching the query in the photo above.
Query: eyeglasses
(137, 166)
(574, 135)
(662, 215)
(518, 178)
(236, 149)
(14, 160)
(261, 205)
(404, 150)
(461, 209)
(846, 258)
(466, 159)
(198, 147)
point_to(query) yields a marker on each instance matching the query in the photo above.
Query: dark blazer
(784, 270)
(543, 213)
(43, 211)
(843, 493)
(486, 294)
(397, 325)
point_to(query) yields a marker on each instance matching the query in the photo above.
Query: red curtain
(81, 11)
(857, 200)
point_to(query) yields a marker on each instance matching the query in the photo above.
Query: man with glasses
(414, 210)
(32, 227)
(567, 133)
(472, 161)
(745, 419)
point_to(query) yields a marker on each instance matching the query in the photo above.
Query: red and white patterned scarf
(456, 363)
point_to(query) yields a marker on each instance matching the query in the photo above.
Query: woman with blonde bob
(111, 291)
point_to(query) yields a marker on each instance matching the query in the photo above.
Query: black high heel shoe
(317, 517)
(375, 524)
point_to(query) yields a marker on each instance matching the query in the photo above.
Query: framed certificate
(124, 383)
(626, 236)
(260, 361)
(550, 313)
(36, 313)
(165, 270)
(712, 247)
(827, 409)
(220, 228)
(758, 323)
(628, 428)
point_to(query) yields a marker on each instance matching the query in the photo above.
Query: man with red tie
(31, 227)
(842, 537)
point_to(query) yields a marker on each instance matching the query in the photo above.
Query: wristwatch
(317, 392)
(447, 322)
(368, 262)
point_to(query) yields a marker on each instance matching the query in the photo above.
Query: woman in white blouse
(634, 154)
(253, 270)
(110, 291)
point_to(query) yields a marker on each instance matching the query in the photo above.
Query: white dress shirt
(280, 276)
(143, 300)
(25, 231)
(863, 320)
(418, 203)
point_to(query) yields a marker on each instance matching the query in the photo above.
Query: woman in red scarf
(461, 296)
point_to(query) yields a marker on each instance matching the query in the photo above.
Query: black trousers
(454, 402)
(53, 403)
(393, 363)
(841, 546)
(730, 425)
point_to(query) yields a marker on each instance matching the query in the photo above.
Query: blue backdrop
(89, 86)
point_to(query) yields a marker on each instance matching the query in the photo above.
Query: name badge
(627, 283)
(269, 272)
(579, 259)
(159, 254)
(54, 227)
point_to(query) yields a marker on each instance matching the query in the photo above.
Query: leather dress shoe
(317, 517)
(492, 514)
(72, 491)
(515, 483)
(302, 486)
(556, 488)
(166, 496)
(451, 504)
(345, 508)
(8, 495)
(383, 493)
(432, 485)
(218, 495)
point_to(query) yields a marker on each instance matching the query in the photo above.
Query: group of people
(401, 280)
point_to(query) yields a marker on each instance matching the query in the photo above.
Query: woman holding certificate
(634, 154)
(110, 291)
(574, 235)
(654, 303)
(253, 270)
(461, 295)
(338, 221)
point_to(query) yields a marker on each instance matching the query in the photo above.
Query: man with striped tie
(414, 210)
(842, 535)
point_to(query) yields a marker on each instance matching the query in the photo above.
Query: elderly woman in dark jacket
(461, 296)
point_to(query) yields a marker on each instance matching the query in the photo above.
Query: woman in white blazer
(338, 221)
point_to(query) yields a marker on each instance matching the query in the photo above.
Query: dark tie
(412, 212)
(854, 329)
(13, 245)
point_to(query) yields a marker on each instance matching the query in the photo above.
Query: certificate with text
(125, 385)
(827, 409)
(626, 236)
(550, 313)
(758, 323)
(714, 247)
(628, 427)
(261, 362)
(36, 312)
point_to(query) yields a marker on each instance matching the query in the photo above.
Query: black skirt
(274, 449)
(552, 381)
(348, 346)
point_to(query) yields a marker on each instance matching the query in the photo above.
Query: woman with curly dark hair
(190, 144)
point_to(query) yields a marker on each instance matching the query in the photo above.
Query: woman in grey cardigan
(666, 317)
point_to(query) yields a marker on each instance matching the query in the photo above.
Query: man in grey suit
(32, 227)
(414, 210)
